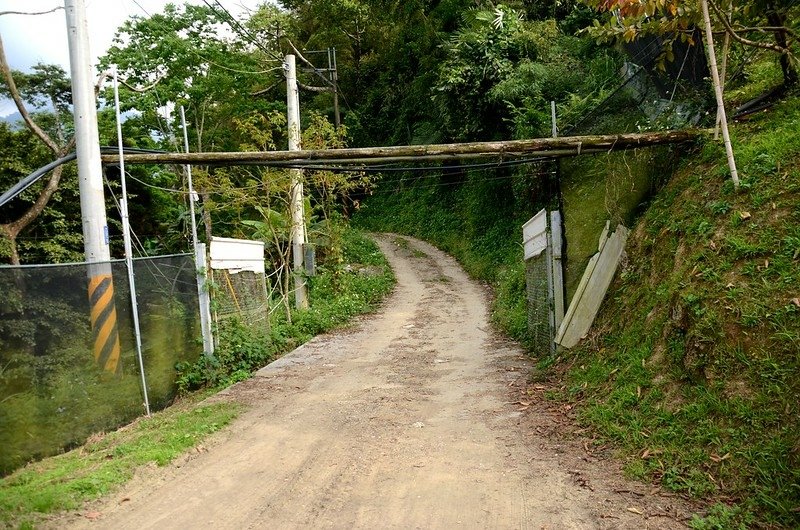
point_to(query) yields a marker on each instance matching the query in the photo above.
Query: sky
(43, 38)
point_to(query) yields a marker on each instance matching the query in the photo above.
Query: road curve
(406, 420)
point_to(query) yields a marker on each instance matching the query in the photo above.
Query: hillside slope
(693, 365)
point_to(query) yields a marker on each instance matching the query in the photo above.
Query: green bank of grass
(692, 367)
(64, 482)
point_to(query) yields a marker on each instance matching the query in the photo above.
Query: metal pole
(553, 118)
(722, 74)
(298, 221)
(550, 287)
(712, 59)
(90, 183)
(200, 257)
(126, 236)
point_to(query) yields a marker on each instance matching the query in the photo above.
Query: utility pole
(199, 256)
(296, 199)
(333, 73)
(90, 181)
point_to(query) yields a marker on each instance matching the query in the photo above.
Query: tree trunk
(550, 147)
(8, 233)
(778, 20)
(13, 229)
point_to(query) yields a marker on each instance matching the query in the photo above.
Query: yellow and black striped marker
(104, 323)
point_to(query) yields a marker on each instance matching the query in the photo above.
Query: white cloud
(43, 38)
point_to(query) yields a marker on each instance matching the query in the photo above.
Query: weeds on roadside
(692, 367)
(338, 292)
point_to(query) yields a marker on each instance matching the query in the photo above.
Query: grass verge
(106, 461)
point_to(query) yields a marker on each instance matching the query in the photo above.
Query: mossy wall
(606, 187)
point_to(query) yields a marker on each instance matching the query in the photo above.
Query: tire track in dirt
(403, 421)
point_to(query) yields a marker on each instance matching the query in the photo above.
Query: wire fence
(242, 295)
(52, 392)
(653, 94)
(538, 295)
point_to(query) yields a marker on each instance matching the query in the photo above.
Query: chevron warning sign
(105, 334)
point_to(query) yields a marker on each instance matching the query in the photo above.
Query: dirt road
(412, 419)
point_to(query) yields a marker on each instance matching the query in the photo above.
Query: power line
(468, 182)
(243, 32)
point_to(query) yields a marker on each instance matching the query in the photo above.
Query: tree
(46, 86)
(765, 24)
(183, 57)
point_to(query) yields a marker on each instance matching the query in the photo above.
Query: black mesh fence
(52, 392)
(654, 93)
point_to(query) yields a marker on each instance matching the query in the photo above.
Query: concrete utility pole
(333, 72)
(296, 205)
(90, 180)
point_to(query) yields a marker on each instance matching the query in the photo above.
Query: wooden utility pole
(712, 59)
(90, 183)
(296, 200)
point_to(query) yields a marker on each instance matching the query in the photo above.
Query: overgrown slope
(693, 365)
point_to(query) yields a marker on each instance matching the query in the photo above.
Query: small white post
(298, 221)
(199, 256)
(555, 264)
(712, 59)
(553, 118)
(126, 237)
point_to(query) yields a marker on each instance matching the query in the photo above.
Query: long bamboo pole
(712, 59)
(562, 146)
